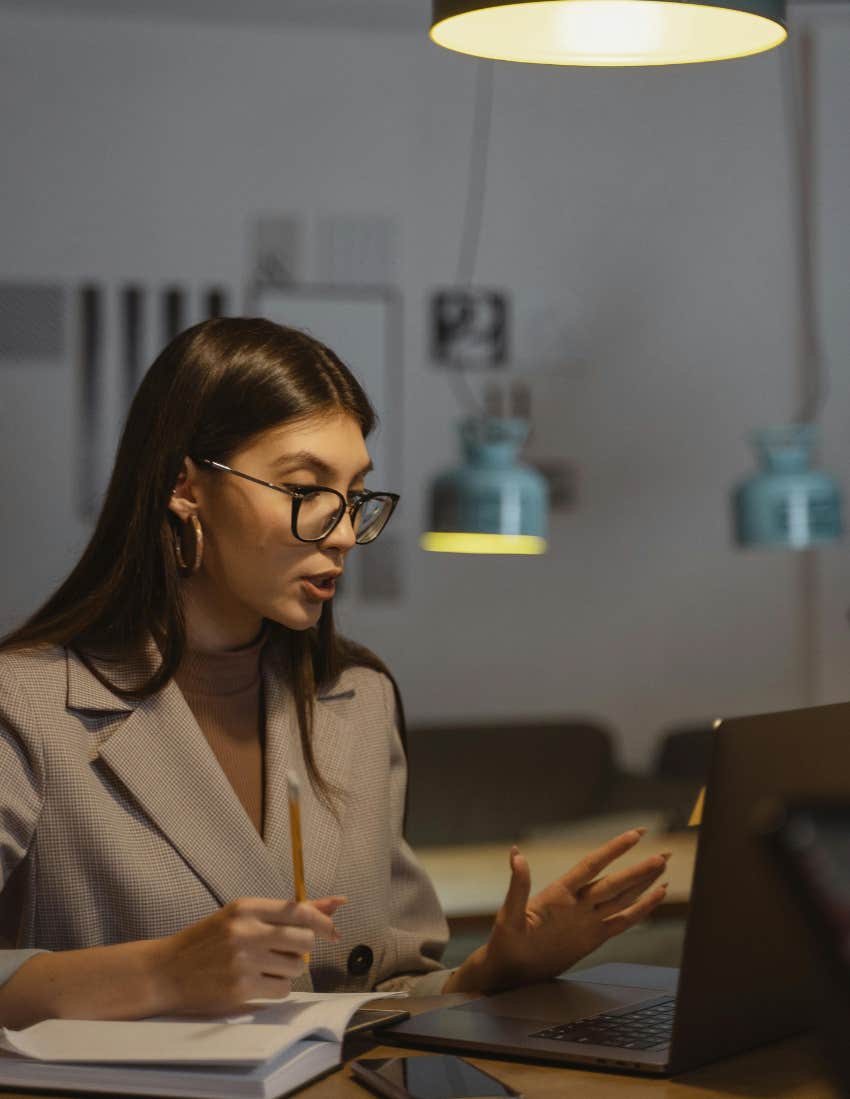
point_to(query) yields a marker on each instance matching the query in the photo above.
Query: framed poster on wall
(363, 327)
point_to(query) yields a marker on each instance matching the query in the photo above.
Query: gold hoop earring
(189, 570)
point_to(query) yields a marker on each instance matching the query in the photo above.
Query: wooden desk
(783, 1070)
(471, 881)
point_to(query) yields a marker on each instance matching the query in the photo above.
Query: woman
(150, 710)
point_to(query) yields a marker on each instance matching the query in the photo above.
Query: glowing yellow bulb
(465, 542)
(604, 32)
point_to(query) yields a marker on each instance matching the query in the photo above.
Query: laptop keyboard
(649, 1027)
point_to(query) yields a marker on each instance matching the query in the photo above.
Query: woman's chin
(301, 617)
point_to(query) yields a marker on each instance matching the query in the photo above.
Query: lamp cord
(473, 216)
(477, 178)
(799, 97)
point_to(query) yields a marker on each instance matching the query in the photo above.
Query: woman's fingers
(636, 912)
(516, 900)
(329, 905)
(300, 914)
(587, 869)
(290, 940)
(629, 895)
(251, 947)
(612, 885)
(270, 910)
(272, 988)
(272, 963)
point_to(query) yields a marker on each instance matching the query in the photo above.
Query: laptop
(811, 845)
(745, 977)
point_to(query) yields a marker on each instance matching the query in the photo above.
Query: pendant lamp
(492, 503)
(608, 32)
(787, 503)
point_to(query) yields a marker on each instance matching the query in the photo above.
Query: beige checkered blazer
(117, 822)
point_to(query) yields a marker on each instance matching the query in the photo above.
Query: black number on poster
(469, 328)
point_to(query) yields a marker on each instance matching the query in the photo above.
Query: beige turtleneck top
(224, 692)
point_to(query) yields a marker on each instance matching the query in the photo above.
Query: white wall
(649, 208)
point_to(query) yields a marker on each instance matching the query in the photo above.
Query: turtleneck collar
(222, 673)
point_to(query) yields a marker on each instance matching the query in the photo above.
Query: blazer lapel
(159, 753)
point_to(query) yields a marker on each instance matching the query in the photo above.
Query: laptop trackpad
(558, 1001)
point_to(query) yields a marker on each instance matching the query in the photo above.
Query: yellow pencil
(294, 787)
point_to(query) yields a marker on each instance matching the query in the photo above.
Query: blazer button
(360, 960)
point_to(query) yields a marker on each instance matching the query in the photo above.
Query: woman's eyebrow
(303, 459)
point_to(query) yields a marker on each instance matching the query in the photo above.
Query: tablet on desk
(434, 1076)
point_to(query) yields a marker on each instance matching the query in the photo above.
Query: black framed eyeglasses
(316, 510)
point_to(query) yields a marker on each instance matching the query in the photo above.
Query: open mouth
(320, 588)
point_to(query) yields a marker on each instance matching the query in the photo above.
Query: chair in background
(679, 771)
(685, 753)
(495, 781)
(682, 760)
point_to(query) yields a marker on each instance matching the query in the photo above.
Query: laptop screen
(812, 844)
(815, 847)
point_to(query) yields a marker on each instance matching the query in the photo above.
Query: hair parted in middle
(211, 391)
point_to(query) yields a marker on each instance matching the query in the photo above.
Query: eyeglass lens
(319, 512)
(372, 517)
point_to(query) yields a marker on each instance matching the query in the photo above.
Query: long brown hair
(210, 391)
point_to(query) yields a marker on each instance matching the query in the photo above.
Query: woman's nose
(342, 536)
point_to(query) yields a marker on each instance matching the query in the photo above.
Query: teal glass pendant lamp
(787, 503)
(609, 32)
(492, 503)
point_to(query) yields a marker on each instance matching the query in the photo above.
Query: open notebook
(268, 1052)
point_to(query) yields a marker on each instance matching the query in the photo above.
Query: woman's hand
(251, 948)
(539, 938)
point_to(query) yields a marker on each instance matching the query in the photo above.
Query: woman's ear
(183, 501)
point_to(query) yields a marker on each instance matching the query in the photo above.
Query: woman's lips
(319, 592)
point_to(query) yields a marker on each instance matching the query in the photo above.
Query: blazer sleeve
(21, 797)
(417, 923)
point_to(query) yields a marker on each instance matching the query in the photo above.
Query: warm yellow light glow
(696, 813)
(608, 32)
(439, 541)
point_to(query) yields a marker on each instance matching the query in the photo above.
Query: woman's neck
(214, 629)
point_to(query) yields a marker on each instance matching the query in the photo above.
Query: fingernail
(640, 831)
(666, 855)
(514, 853)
